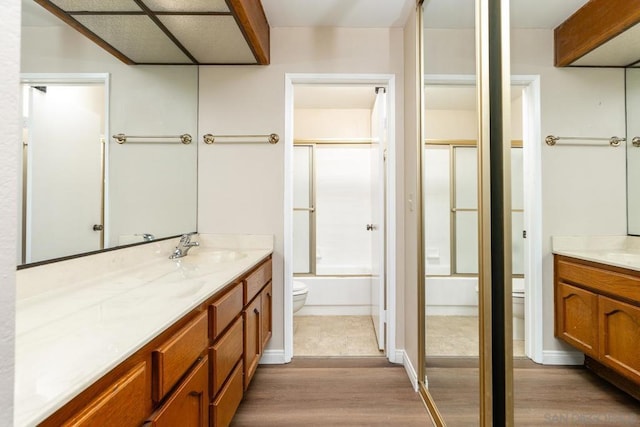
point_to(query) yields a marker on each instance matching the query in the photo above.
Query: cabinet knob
(256, 311)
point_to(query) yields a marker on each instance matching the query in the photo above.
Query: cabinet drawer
(224, 407)
(576, 317)
(224, 355)
(256, 280)
(188, 405)
(620, 337)
(121, 404)
(224, 310)
(172, 359)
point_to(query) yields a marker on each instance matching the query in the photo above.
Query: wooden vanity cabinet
(597, 311)
(192, 374)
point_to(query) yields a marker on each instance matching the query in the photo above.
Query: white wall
(309, 123)
(9, 147)
(152, 189)
(583, 189)
(241, 187)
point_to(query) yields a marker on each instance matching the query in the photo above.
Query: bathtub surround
(74, 317)
(10, 131)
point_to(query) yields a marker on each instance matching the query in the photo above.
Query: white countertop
(67, 337)
(618, 251)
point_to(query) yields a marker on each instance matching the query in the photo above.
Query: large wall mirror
(82, 189)
(633, 150)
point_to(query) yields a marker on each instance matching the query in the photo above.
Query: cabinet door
(252, 341)
(188, 406)
(620, 337)
(266, 322)
(576, 318)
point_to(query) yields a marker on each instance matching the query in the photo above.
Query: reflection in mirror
(450, 216)
(79, 194)
(633, 150)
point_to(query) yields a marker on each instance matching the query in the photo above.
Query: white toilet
(300, 292)
(518, 309)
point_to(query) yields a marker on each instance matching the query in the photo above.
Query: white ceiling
(524, 13)
(393, 13)
(337, 13)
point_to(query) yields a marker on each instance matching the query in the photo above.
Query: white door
(377, 225)
(64, 173)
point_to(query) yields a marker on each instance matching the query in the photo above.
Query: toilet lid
(299, 288)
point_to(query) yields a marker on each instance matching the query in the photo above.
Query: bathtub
(455, 296)
(336, 296)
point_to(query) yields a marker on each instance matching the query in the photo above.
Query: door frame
(532, 170)
(388, 80)
(79, 79)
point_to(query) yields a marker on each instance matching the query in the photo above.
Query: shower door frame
(312, 209)
(389, 80)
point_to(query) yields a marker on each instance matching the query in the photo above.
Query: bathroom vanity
(162, 343)
(597, 310)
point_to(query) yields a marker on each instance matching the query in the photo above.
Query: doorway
(63, 166)
(337, 222)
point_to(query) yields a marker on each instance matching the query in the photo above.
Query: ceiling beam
(252, 21)
(593, 24)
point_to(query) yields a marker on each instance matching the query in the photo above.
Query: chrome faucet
(183, 246)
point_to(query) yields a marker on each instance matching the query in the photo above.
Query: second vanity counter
(78, 319)
(617, 251)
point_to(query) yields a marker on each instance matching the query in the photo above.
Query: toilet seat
(299, 288)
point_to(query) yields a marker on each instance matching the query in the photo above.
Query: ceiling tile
(97, 6)
(187, 6)
(136, 36)
(210, 39)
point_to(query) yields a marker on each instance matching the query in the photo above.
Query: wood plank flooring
(332, 392)
(544, 395)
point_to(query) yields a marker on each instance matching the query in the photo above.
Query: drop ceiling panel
(210, 39)
(97, 6)
(136, 36)
(187, 6)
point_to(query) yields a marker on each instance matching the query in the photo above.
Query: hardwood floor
(544, 395)
(332, 392)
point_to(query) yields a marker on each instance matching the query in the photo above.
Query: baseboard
(273, 357)
(397, 357)
(561, 357)
(408, 367)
